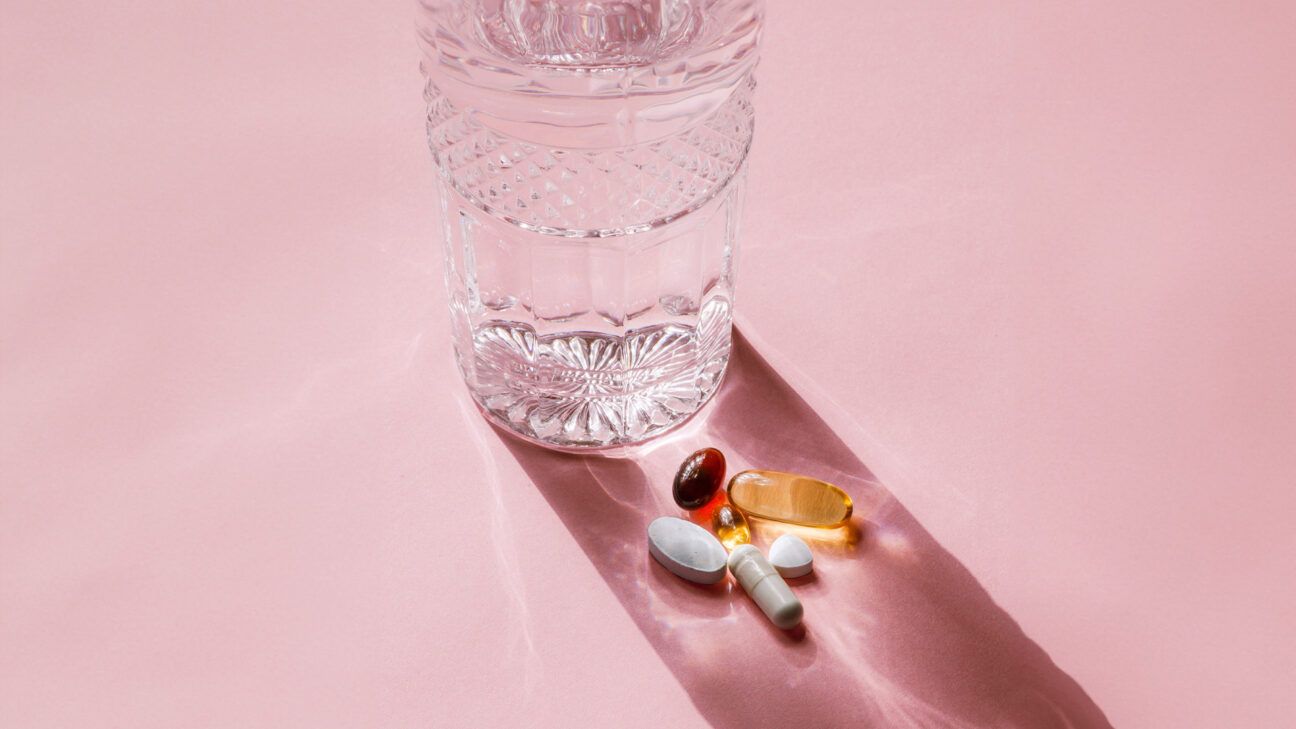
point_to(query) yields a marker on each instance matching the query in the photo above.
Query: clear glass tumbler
(591, 157)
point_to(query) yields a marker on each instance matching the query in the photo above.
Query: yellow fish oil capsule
(730, 526)
(790, 497)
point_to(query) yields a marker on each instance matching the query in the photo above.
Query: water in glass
(591, 158)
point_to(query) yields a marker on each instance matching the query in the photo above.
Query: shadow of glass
(897, 632)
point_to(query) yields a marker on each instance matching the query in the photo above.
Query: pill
(699, 477)
(759, 578)
(731, 526)
(791, 556)
(687, 550)
(790, 497)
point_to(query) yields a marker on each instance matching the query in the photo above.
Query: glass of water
(591, 158)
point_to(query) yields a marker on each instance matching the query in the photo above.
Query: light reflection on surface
(897, 633)
(835, 540)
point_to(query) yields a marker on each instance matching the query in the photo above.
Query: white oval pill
(687, 549)
(791, 556)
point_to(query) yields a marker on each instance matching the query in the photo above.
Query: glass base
(586, 390)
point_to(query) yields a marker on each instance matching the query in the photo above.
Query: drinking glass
(591, 159)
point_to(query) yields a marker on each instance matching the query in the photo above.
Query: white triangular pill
(791, 556)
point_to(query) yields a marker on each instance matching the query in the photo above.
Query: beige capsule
(790, 497)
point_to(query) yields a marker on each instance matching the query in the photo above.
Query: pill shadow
(897, 631)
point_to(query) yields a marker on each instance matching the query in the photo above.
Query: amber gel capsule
(699, 477)
(790, 497)
(730, 526)
(759, 578)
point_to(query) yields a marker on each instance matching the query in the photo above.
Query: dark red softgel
(699, 477)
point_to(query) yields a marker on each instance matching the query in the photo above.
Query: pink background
(1021, 277)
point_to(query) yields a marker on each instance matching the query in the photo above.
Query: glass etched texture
(591, 158)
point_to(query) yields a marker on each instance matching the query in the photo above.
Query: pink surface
(1023, 279)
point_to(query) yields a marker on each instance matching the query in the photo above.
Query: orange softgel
(790, 497)
(730, 526)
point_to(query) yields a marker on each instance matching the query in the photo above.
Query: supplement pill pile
(691, 552)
